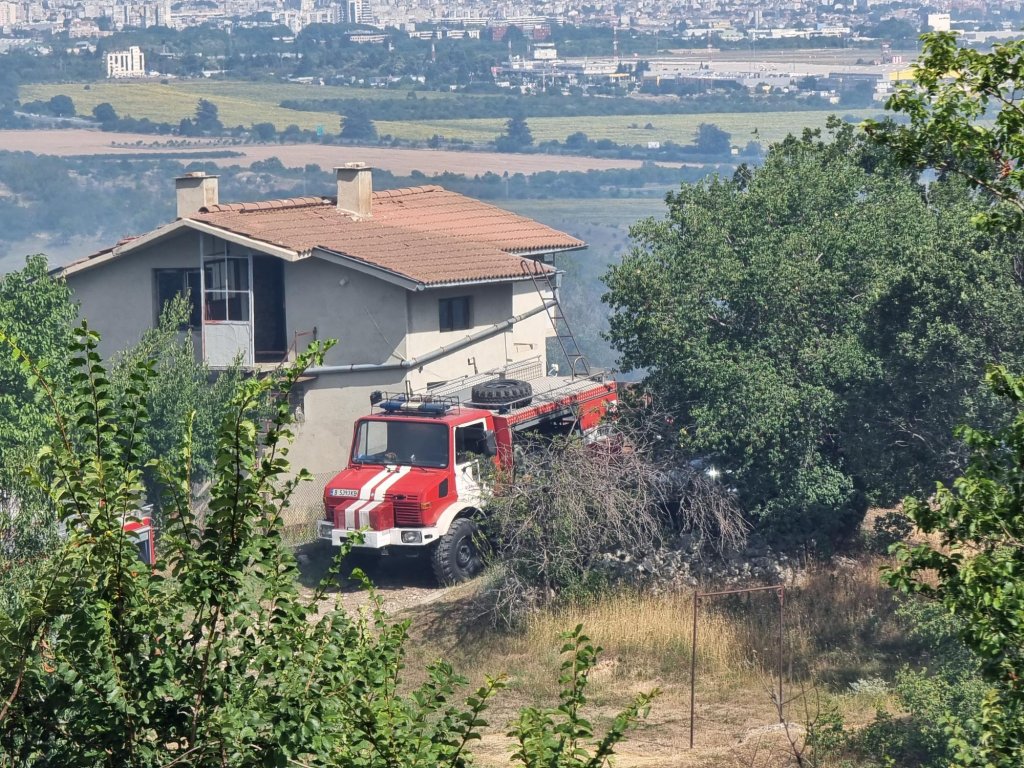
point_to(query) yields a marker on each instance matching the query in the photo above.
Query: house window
(170, 283)
(454, 314)
(227, 289)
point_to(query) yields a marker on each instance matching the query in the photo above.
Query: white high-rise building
(358, 12)
(8, 14)
(130, 63)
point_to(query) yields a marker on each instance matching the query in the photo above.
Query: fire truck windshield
(414, 443)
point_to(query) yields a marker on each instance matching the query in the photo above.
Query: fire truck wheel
(457, 558)
(503, 392)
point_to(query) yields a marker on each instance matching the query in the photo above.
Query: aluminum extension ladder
(543, 281)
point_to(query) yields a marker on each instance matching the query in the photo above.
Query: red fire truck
(413, 481)
(141, 531)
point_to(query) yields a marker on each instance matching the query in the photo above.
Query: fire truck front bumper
(379, 539)
(371, 539)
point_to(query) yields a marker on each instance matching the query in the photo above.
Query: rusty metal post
(693, 663)
(782, 626)
(778, 589)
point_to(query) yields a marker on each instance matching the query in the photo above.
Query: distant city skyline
(710, 20)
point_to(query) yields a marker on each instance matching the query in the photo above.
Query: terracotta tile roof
(427, 234)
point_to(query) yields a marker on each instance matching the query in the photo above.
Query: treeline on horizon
(710, 143)
(727, 97)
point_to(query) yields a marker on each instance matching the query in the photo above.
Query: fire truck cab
(416, 475)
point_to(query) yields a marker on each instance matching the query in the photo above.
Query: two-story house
(419, 285)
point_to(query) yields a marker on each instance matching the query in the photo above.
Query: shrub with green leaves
(940, 692)
(213, 657)
(975, 576)
(184, 385)
(561, 737)
(36, 309)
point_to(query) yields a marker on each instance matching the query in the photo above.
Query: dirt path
(402, 583)
(77, 142)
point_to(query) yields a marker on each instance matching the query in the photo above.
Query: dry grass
(73, 143)
(839, 626)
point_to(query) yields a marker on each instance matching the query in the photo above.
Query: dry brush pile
(572, 500)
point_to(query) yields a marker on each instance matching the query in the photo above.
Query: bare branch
(571, 499)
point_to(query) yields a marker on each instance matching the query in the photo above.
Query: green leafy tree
(517, 135)
(712, 140)
(36, 309)
(264, 131)
(185, 399)
(207, 119)
(356, 125)
(966, 116)
(105, 113)
(976, 573)
(819, 326)
(577, 141)
(62, 106)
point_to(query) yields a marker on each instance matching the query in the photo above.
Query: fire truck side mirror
(490, 443)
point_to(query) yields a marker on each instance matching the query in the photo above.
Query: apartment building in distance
(8, 15)
(130, 63)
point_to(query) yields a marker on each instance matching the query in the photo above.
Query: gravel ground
(402, 582)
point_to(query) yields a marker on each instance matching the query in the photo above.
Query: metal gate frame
(780, 591)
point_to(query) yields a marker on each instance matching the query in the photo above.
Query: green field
(244, 103)
(629, 129)
(239, 103)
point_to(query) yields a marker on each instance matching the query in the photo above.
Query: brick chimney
(355, 189)
(195, 190)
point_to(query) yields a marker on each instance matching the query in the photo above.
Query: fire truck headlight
(411, 537)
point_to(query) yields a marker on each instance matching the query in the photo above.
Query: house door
(270, 340)
(227, 309)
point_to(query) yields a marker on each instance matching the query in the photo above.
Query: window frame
(232, 291)
(193, 287)
(447, 316)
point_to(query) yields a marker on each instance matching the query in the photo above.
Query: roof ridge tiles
(264, 205)
(383, 194)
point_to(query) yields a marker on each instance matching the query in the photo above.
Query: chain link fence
(305, 510)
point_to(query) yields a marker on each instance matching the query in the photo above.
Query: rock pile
(687, 561)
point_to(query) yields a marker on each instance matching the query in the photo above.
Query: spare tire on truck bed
(503, 392)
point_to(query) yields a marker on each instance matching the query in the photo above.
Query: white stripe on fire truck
(377, 495)
(350, 518)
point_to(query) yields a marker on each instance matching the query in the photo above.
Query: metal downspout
(416, 362)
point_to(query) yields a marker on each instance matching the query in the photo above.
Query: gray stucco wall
(331, 405)
(117, 298)
(365, 314)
